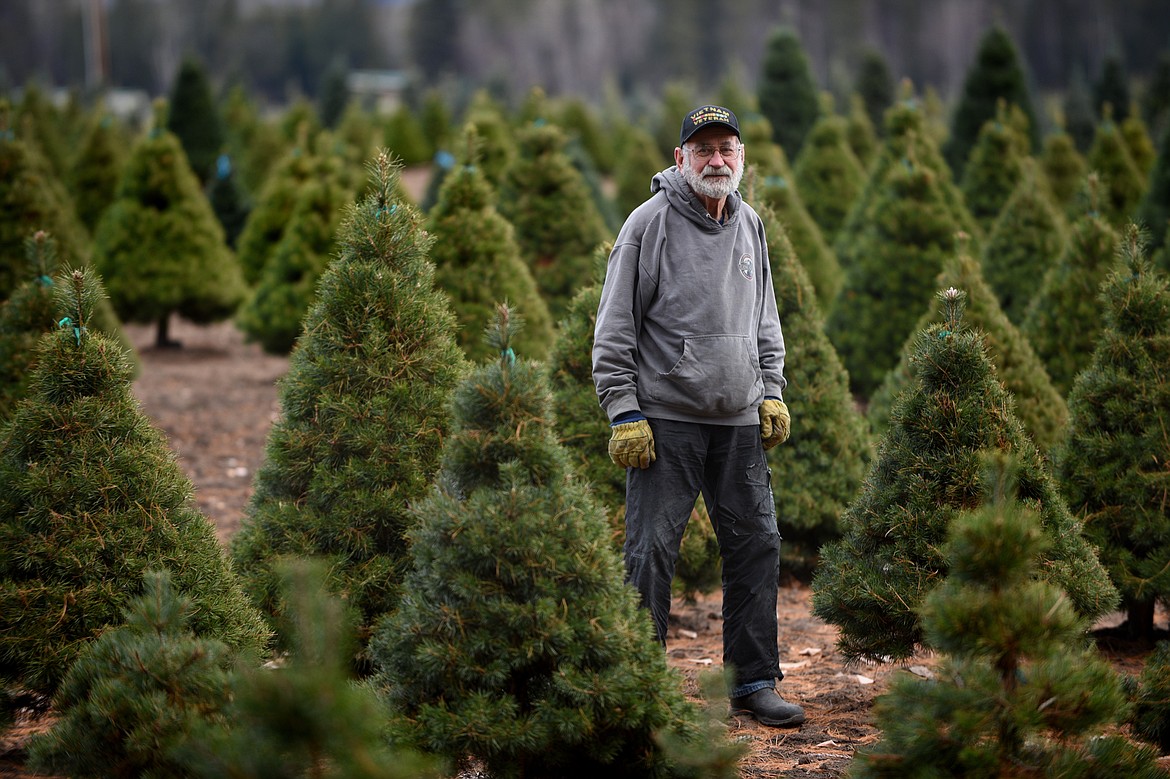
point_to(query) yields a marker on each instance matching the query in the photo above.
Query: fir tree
(1137, 140)
(90, 498)
(1064, 167)
(1039, 407)
(94, 172)
(861, 132)
(557, 224)
(228, 200)
(1112, 89)
(787, 92)
(995, 165)
(404, 137)
(539, 662)
(41, 125)
(1122, 184)
(24, 318)
(828, 175)
(1063, 321)
(136, 694)
(1080, 117)
(1112, 467)
(1154, 210)
(1025, 240)
(333, 95)
(1018, 692)
(362, 414)
(641, 160)
(478, 262)
(303, 716)
(1150, 716)
(436, 121)
(253, 144)
(872, 582)
(498, 141)
(874, 85)
(996, 74)
(1156, 97)
(678, 98)
(159, 244)
(194, 120)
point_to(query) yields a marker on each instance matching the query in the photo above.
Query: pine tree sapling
(90, 498)
(871, 582)
(1113, 466)
(1018, 691)
(517, 642)
(363, 413)
(136, 694)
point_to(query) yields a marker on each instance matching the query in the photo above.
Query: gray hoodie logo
(746, 267)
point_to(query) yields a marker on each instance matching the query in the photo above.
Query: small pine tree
(362, 414)
(927, 470)
(1064, 167)
(828, 175)
(94, 172)
(1112, 467)
(478, 262)
(1122, 184)
(159, 244)
(194, 118)
(1063, 321)
(90, 498)
(539, 661)
(1150, 716)
(24, 318)
(137, 693)
(995, 165)
(787, 92)
(874, 85)
(1018, 692)
(1112, 88)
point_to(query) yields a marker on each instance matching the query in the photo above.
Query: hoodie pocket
(717, 375)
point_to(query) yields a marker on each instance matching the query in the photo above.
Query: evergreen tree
(41, 125)
(875, 85)
(333, 96)
(436, 121)
(477, 260)
(641, 160)
(94, 172)
(404, 137)
(787, 92)
(539, 661)
(159, 244)
(91, 497)
(24, 318)
(1018, 691)
(1039, 407)
(194, 120)
(362, 414)
(253, 144)
(1112, 89)
(1154, 210)
(828, 175)
(1064, 167)
(997, 74)
(861, 132)
(557, 224)
(228, 200)
(1025, 240)
(1156, 98)
(1063, 320)
(994, 166)
(135, 695)
(1080, 116)
(1150, 716)
(678, 99)
(822, 464)
(497, 138)
(305, 717)
(1122, 184)
(1112, 467)
(872, 582)
(734, 93)
(1137, 140)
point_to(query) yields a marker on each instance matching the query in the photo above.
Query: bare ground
(216, 398)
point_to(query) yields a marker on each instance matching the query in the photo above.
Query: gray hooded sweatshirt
(687, 328)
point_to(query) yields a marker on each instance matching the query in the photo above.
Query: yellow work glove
(774, 422)
(632, 444)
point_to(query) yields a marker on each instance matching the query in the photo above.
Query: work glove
(774, 422)
(632, 444)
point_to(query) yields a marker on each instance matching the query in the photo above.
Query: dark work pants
(727, 464)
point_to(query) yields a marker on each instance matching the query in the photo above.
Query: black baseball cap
(705, 116)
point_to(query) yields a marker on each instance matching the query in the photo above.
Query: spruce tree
(557, 223)
(362, 414)
(136, 694)
(94, 172)
(539, 661)
(498, 149)
(995, 165)
(640, 161)
(1153, 212)
(1112, 467)
(871, 583)
(24, 318)
(159, 244)
(1138, 143)
(862, 133)
(1064, 167)
(1024, 241)
(477, 259)
(1080, 116)
(194, 119)
(91, 497)
(1063, 320)
(1112, 88)
(996, 74)
(1150, 716)
(1039, 407)
(229, 200)
(41, 125)
(874, 85)
(1122, 184)
(828, 175)
(1018, 691)
(787, 92)
(254, 144)
(404, 137)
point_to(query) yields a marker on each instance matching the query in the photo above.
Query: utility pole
(97, 60)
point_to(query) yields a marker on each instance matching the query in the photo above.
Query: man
(688, 361)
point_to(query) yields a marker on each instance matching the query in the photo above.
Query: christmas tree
(1122, 184)
(136, 694)
(995, 164)
(228, 199)
(787, 93)
(1080, 116)
(1112, 468)
(91, 497)
(363, 414)
(1150, 717)
(862, 133)
(24, 317)
(641, 160)
(1064, 167)
(159, 245)
(194, 119)
(1112, 88)
(874, 85)
(1018, 692)
(828, 175)
(517, 642)
(1138, 143)
(477, 259)
(94, 172)
(1154, 210)
(927, 470)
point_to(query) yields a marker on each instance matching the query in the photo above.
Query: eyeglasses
(706, 152)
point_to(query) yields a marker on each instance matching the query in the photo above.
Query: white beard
(710, 183)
